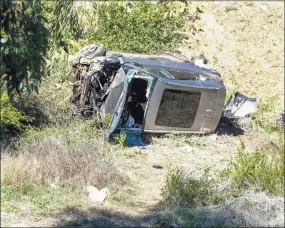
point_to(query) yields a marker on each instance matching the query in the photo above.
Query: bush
(185, 191)
(74, 157)
(11, 116)
(261, 170)
(52, 104)
(137, 26)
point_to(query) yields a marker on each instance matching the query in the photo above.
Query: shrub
(183, 190)
(11, 116)
(51, 104)
(137, 26)
(75, 156)
(261, 170)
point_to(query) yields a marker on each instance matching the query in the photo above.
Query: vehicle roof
(168, 62)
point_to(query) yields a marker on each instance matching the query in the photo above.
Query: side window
(178, 108)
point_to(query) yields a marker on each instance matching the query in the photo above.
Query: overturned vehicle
(154, 93)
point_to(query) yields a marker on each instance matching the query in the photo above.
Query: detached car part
(239, 109)
(240, 106)
(156, 93)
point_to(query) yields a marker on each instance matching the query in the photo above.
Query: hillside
(43, 185)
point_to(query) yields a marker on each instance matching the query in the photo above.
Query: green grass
(146, 26)
(186, 191)
(40, 200)
(260, 170)
(192, 140)
(121, 198)
(120, 139)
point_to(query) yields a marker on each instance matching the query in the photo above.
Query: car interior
(137, 98)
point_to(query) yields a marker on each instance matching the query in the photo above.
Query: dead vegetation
(251, 210)
(68, 157)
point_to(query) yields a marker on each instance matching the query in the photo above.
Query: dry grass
(250, 210)
(244, 41)
(74, 156)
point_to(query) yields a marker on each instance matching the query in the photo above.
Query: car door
(182, 106)
(116, 99)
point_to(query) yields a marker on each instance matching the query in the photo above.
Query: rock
(96, 195)
(52, 185)
(213, 137)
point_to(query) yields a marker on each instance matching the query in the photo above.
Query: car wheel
(89, 52)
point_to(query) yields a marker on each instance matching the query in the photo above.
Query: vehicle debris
(155, 93)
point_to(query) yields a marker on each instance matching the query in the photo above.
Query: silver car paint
(210, 107)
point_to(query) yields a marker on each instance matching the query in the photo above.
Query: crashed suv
(155, 93)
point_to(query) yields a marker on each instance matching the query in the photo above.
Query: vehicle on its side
(154, 93)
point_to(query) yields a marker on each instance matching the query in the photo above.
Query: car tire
(89, 52)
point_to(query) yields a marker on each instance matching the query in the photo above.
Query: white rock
(52, 185)
(96, 195)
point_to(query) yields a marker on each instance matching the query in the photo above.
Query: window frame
(179, 112)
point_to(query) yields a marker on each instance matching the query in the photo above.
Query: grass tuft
(74, 156)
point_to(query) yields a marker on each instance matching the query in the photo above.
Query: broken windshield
(160, 71)
(175, 73)
(148, 70)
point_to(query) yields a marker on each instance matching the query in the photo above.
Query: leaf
(3, 40)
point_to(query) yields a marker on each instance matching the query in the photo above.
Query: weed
(261, 170)
(186, 191)
(10, 115)
(120, 139)
(194, 141)
(106, 121)
(106, 213)
(122, 199)
(40, 199)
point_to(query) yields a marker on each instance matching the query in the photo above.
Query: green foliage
(120, 139)
(194, 141)
(187, 191)
(137, 26)
(28, 29)
(51, 104)
(24, 40)
(40, 199)
(65, 27)
(262, 170)
(10, 116)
